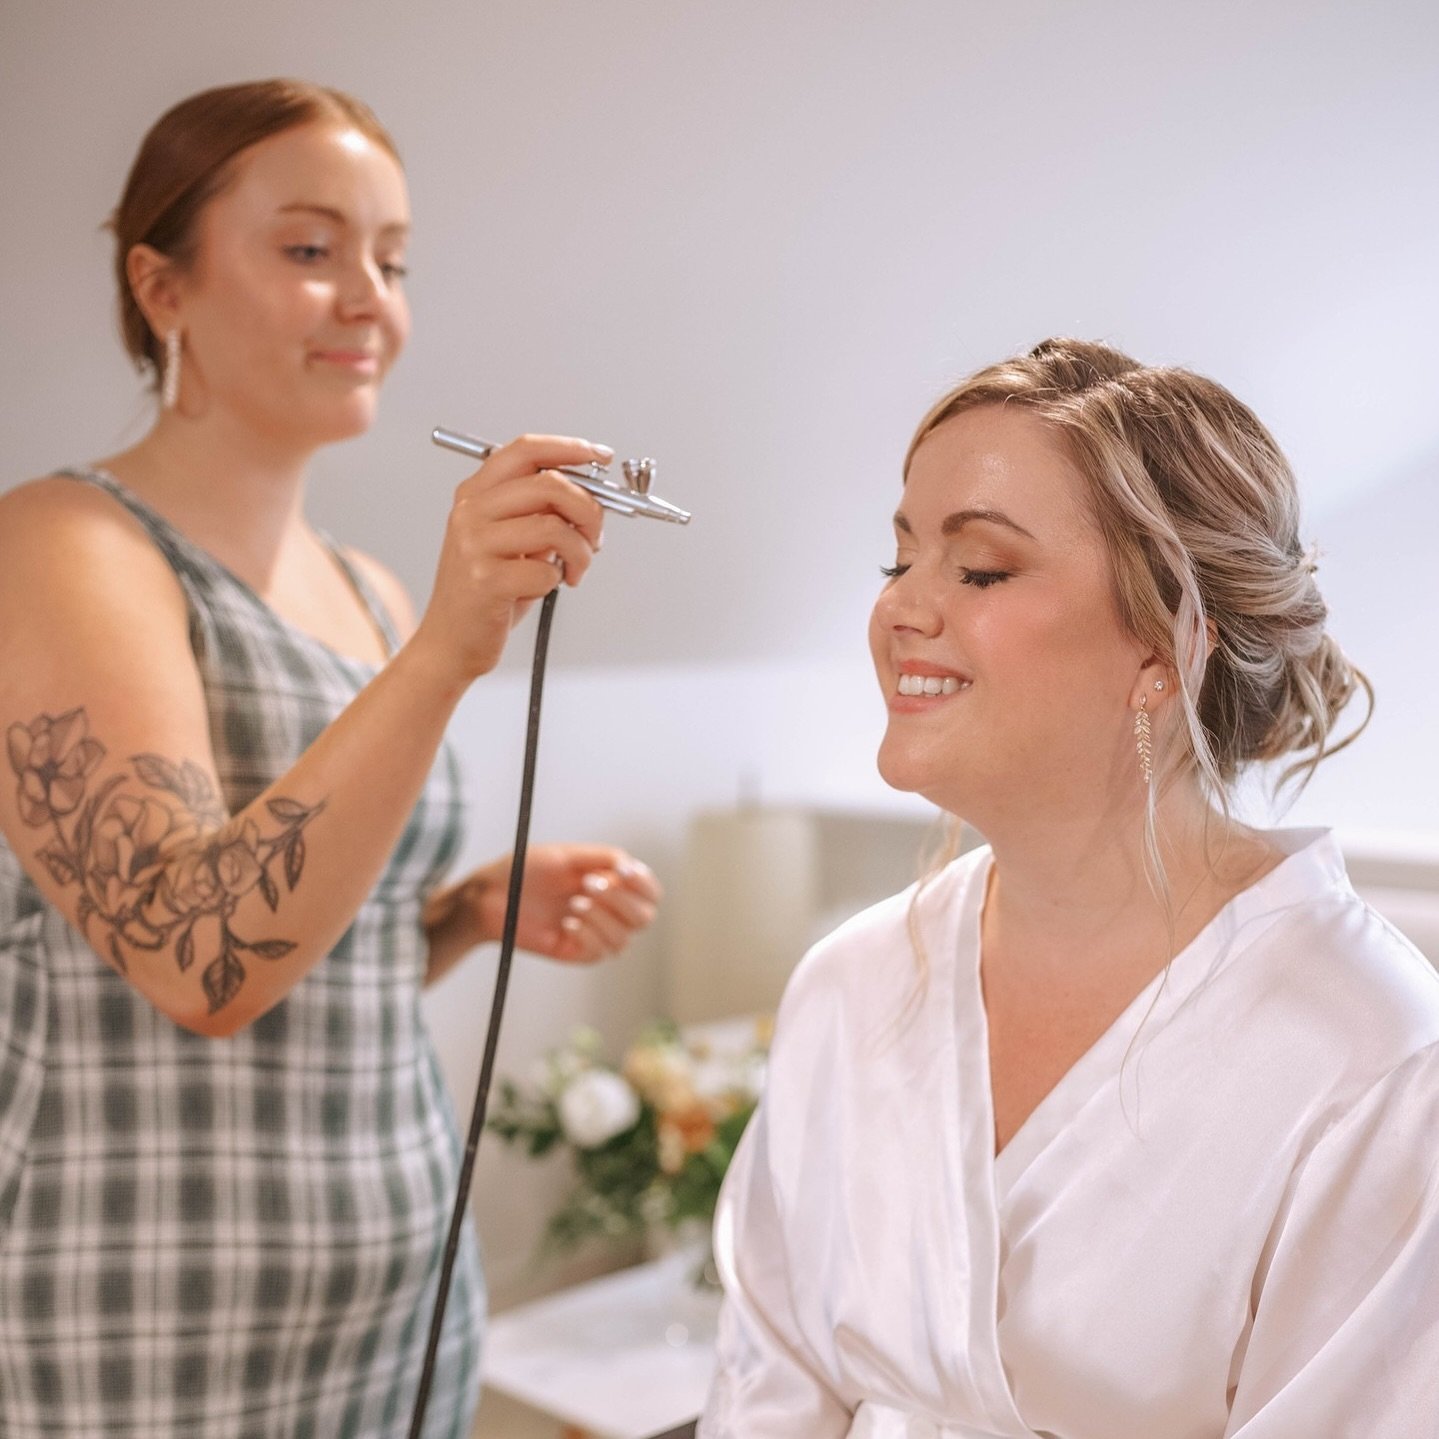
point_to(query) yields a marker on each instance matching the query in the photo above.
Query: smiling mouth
(352, 359)
(931, 686)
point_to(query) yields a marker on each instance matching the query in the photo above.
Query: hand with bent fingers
(517, 528)
(580, 903)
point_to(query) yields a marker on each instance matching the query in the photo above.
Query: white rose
(596, 1106)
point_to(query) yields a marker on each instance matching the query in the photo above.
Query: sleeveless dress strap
(183, 555)
(369, 596)
(190, 559)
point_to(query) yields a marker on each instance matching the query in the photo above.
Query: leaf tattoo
(152, 866)
(222, 979)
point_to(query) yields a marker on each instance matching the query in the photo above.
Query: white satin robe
(1223, 1221)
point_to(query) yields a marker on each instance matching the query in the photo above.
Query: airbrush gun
(631, 498)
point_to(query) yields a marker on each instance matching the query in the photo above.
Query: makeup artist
(226, 1152)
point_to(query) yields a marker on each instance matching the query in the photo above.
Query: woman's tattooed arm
(157, 865)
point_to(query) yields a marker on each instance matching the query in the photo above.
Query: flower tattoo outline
(151, 866)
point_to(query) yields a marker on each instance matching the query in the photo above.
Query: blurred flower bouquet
(650, 1138)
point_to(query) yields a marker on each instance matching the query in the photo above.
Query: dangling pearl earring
(170, 382)
(1141, 740)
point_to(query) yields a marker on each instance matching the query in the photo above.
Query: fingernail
(581, 903)
(603, 452)
(629, 868)
(595, 883)
(570, 924)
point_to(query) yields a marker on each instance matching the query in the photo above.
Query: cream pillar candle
(744, 911)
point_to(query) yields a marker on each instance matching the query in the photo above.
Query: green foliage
(666, 1168)
(696, 1187)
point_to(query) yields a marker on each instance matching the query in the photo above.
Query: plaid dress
(233, 1237)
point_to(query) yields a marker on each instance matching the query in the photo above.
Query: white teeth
(931, 685)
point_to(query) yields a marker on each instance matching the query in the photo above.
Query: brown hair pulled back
(1200, 513)
(185, 161)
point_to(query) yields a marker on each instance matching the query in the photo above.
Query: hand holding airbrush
(516, 529)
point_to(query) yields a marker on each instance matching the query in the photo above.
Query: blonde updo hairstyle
(188, 157)
(1200, 513)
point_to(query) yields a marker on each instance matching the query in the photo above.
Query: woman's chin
(915, 774)
(340, 423)
(903, 770)
(352, 431)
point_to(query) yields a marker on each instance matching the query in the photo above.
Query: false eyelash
(983, 579)
(979, 579)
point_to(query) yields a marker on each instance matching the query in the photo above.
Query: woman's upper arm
(110, 770)
(1345, 1336)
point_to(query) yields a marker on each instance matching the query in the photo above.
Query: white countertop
(626, 1356)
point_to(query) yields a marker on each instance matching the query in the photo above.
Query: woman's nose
(906, 604)
(361, 290)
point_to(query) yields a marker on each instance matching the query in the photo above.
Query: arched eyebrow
(328, 212)
(953, 524)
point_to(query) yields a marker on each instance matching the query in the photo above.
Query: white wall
(753, 239)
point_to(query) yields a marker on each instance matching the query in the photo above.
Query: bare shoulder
(58, 517)
(393, 595)
(56, 494)
(76, 565)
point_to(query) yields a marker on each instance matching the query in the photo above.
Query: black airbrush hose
(497, 1010)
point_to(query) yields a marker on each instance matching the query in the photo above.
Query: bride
(1124, 1124)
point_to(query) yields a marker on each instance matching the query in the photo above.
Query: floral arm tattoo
(152, 867)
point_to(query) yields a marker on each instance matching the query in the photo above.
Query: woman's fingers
(546, 537)
(607, 912)
(597, 931)
(612, 931)
(579, 943)
(528, 453)
(635, 875)
(617, 865)
(544, 493)
(610, 893)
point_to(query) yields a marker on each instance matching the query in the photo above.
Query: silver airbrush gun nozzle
(631, 498)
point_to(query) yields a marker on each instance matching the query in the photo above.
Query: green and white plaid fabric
(232, 1237)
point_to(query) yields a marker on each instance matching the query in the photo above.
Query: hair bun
(1200, 513)
(1315, 688)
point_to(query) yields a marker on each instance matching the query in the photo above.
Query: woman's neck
(1083, 886)
(238, 495)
